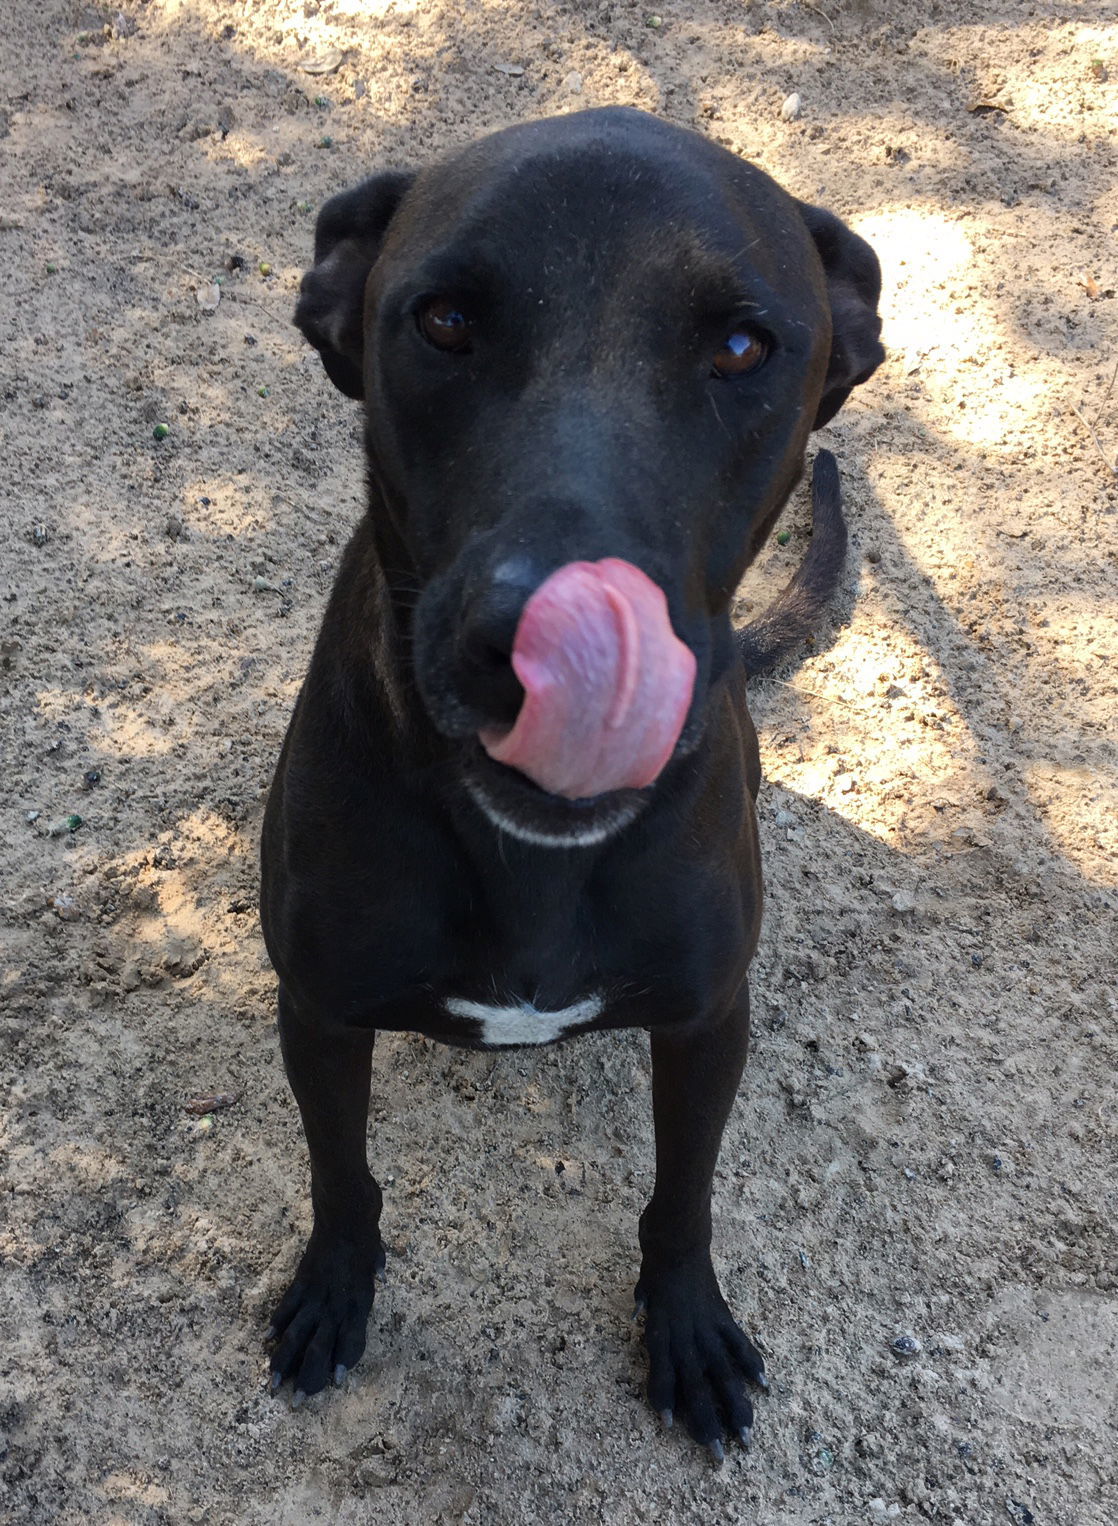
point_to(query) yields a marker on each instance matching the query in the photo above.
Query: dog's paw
(319, 1324)
(699, 1361)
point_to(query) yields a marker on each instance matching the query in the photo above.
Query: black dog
(516, 798)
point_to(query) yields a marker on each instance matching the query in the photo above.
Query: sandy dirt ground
(916, 1197)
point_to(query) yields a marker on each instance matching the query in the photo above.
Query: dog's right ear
(347, 240)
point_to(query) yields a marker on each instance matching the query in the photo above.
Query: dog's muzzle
(607, 683)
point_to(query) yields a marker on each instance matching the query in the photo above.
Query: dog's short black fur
(535, 326)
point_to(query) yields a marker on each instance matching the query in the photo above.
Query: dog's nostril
(497, 657)
(486, 676)
(491, 658)
(491, 617)
(486, 635)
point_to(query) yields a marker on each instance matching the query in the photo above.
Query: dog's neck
(374, 694)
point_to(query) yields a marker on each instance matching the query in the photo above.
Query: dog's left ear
(348, 237)
(854, 286)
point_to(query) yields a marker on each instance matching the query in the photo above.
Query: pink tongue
(607, 682)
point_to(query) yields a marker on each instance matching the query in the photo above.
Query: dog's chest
(522, 1022)
(528, 969)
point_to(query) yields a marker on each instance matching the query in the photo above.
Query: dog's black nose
(492, 613)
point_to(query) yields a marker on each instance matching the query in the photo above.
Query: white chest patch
(524, 1024)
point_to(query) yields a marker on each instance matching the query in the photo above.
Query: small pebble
(791, 107)
(200, 1106)
(1019, 1512)
(573, 82)
(64, 825)
(40, 535)
(32, 817)
(66, 908)
(323, 63)
(92, 777)
(903, 902)
(173, 526)
(905, 1346)
(655, 22)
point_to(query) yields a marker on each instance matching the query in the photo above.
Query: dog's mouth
(607, 684)
(513, 803)
(567, 702)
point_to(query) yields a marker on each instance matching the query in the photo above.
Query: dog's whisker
(717, 415)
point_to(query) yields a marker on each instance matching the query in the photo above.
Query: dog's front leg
(699, 1360)
(319, 1325)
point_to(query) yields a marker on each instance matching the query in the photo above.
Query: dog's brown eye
(743, 351)
(444, 325)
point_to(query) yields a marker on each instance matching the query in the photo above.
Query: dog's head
(598, 340)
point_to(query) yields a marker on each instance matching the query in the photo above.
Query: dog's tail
(797, 609)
